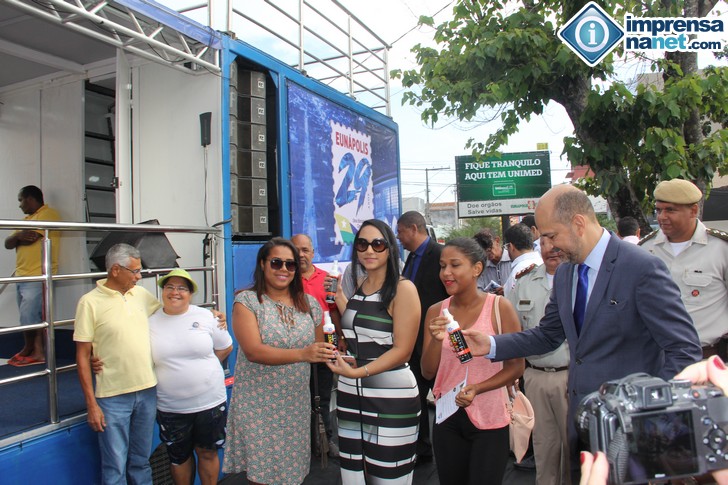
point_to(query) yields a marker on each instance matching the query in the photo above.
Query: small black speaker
(156, 250)
(205, 136)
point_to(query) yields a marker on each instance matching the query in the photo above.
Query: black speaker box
(248, 163)
(251, 109)
(249, 136)
(249, 220)
(156, 250)
(244, 191)
(251, 83)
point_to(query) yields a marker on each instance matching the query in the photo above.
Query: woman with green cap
(187, 348)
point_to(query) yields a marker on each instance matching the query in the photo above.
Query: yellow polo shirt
(118, 327)
(28, 257)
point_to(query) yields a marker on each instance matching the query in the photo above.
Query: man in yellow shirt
(112, 324)
(27, 245)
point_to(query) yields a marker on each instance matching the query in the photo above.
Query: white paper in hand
(445, 405)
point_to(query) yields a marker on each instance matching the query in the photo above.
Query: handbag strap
(496, 307)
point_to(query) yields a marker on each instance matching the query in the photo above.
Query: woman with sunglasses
(377, 398)
(471, 446)
(278, 329)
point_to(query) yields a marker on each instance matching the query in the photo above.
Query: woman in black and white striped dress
(377, 398)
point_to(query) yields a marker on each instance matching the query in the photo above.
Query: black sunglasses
(277, 263)
(378, 244)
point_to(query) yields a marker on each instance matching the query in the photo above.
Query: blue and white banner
(343, 172)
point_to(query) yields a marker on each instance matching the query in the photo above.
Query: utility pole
(428, 219)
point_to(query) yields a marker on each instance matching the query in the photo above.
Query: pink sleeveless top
(488, 409)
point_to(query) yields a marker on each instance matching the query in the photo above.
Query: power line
(418, 24)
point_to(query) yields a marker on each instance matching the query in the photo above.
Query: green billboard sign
(509, 184)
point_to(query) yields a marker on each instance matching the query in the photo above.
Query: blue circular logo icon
(592, 34)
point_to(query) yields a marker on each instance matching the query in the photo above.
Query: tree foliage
(471, 226)
(491, 56)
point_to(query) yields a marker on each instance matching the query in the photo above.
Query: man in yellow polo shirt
(27, 245)
(112, 324)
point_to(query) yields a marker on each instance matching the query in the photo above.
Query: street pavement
(425, 473)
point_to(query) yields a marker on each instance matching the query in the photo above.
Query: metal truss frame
(132, 25)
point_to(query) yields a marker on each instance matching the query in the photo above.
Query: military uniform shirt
(701, 273)
(529, 298)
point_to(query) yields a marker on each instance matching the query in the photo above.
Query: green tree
(607, 222)
(471, 226)
(492, 57)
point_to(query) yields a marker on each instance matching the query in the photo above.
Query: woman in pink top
(471, 446)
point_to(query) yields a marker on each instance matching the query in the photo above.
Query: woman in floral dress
(278, 329)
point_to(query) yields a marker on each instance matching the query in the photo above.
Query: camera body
(655, 430)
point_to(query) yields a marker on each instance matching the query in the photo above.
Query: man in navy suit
(631, 318)
(423, 269)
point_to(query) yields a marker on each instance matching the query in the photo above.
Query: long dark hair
(295, 289)
(391, 280)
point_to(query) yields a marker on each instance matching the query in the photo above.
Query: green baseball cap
(180, 273)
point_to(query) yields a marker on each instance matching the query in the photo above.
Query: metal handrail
(47, 278)
(365, 55)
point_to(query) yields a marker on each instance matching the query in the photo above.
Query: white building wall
(172, 178)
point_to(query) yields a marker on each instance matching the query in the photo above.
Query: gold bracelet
(366, 370)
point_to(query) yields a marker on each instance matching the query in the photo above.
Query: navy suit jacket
(429, 287)
(635, 322)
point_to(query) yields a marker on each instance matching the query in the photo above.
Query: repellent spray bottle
(330, 336)
(331, 294)
(457, 340)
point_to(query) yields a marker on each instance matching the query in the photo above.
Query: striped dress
(378, 415)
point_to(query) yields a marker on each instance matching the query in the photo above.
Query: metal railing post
(351, 58)
(210, 6)
(229, 15)
(50, 334)
(213, 263)
(386, 82)
(301, 48)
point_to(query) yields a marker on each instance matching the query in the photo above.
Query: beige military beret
(677, 191)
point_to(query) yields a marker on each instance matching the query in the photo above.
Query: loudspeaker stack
(248, 157)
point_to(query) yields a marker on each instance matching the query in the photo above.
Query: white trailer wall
(161, 164)
(171, 180)
(41, 143)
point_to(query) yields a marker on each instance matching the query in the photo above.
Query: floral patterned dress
(269, 418)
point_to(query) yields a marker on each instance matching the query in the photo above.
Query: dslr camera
(653, 430)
